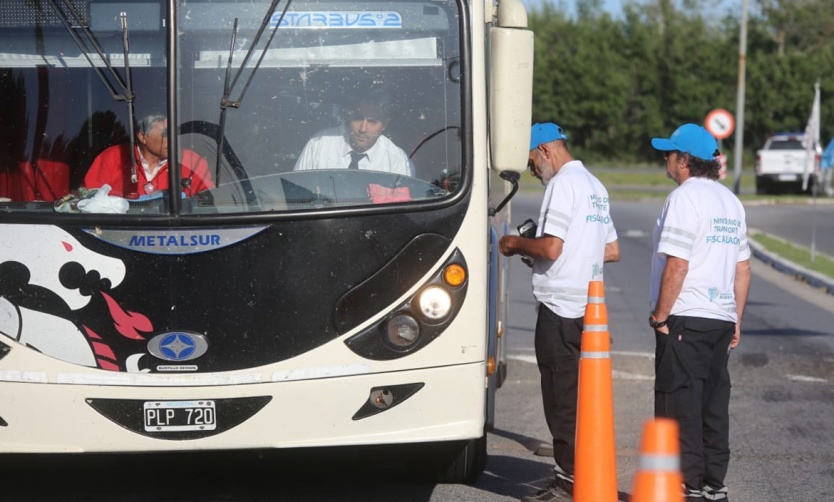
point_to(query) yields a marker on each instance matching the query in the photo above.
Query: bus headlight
(435, 303)
(402, 331)
(415, 322)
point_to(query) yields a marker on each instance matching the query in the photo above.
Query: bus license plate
(173, 416)
(787, 177)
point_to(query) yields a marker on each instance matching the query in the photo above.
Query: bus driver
(359, 143)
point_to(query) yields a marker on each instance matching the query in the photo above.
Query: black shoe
(692, 495)
(553, 494)
(711, 493)
(557, 484)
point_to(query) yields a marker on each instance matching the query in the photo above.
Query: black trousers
(558, 342)
(692, 385)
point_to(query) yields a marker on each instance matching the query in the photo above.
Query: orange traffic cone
(595, 473)
(659, 477)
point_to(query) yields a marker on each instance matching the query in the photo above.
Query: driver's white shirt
(329, 150)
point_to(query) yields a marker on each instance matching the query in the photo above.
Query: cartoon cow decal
(45, 273)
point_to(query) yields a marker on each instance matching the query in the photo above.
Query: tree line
(615, 81)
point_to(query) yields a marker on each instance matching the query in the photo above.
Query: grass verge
(801, 256)
(624, 183)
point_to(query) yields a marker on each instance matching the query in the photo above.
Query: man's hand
(545, 247)
(506, 245)
(736, 337)
(671, 283)
(664, 329)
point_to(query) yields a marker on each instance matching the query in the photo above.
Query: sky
(615, 7)
(612, 6)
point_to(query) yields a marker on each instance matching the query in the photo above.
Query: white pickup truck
(780, 164)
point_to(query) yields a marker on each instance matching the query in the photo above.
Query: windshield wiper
(225, 102)
(125, 86)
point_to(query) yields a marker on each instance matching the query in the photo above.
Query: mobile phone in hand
(527, 229)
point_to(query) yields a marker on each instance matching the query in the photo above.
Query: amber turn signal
(454, 275)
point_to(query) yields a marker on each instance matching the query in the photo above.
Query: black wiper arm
(251, 50)
(225, 102)
(130, 98)
(90, 38)
(125, 86)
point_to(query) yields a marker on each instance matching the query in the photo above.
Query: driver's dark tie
(355, 157)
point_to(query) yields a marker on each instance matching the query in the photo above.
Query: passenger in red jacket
(112, 166)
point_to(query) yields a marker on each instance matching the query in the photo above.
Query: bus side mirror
(510, 88)
(512, 178)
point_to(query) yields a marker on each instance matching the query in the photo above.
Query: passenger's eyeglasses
(666, 155)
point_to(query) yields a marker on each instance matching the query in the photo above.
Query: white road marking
(624, 375)
(532, 358)
(649, 355)
(804, 378)
(635, 233)
(620, 375)
(523, 358)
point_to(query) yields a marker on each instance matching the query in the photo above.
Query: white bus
(239, 301)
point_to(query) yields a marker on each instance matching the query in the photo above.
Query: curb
(788, 267)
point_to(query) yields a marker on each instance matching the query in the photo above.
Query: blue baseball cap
(689, 138)
(545, 133)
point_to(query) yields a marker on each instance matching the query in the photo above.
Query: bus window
(298, 85)
(287, 140)
(57, 115)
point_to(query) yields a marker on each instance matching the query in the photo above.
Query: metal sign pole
(742, 59)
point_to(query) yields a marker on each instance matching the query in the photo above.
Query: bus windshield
(279, 106)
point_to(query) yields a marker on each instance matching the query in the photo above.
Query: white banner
(812, 138)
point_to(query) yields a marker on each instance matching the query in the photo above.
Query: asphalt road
(805, 225)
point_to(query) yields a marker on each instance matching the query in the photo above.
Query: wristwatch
(654, 323)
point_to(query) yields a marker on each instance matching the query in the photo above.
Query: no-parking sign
(720, 123)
